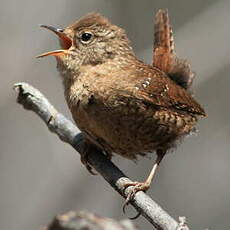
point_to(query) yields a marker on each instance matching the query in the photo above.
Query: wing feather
(157, 88)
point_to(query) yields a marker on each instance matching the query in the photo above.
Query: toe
(130, 197)
(85, 162)
(142, 187)
(133, 183)
(90, 169)
(137, 186)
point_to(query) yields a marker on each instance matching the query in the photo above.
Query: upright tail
(164, 55)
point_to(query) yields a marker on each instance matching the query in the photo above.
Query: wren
(120, 104)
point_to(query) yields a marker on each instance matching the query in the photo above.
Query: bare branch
(33, 100)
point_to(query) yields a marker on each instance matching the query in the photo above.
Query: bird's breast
(105, 107)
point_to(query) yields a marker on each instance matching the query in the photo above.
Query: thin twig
(33, 100)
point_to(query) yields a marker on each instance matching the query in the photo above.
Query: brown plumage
(122, 105)
(164, 55)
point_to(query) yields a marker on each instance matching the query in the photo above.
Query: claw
(138, 186)
(84, 161)
(124, 210)
(109, 155)
(90, 169)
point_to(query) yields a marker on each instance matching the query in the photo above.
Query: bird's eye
(86, 37)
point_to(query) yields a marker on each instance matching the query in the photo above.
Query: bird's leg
(144, 186)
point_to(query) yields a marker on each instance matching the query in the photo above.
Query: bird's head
(89, 41)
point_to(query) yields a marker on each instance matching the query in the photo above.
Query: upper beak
(65, 41)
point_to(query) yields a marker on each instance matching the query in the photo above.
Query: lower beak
(56, 53)
(65, 42)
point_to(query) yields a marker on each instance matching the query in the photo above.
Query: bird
(122, 105)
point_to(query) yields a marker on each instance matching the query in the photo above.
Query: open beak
(56, 53)
(65, 42)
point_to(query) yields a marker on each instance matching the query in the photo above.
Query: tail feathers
(163, 42)
(164, 55)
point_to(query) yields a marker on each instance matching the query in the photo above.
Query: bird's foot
(137, 186)
(85, 162)
(85, 147)
(108, 154)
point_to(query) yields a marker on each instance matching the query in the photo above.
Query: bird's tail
(164, 55)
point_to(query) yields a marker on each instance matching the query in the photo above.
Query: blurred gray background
(40, 176)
